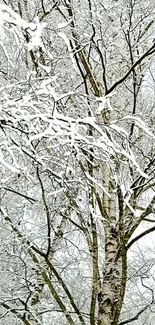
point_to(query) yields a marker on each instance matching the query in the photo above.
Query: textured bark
(114, 280)
(115, 267)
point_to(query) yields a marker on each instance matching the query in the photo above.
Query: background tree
(77, 157)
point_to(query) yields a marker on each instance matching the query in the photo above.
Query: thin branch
(59, 311)
(150, 51)
(57, 298)
(20, 235)
(31, 249)
(69, 295)
(54, 6)
(72, 221)
(141, 178)
(103, 67)
(144, 187)
(149, 288)
(147, 211)
(30, 199)
(132, 319)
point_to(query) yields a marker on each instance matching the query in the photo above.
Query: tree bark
(114, 279)
(115, 265)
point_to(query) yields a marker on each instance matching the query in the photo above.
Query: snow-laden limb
(140, 123)
(131, 157)
(67, 129)
(10, 16)
(7, 165)
(44, 67)
(6, 54)
(54, 193)
(93, 180)
(63, 25)
(82, 202)
(35, 28)
(130, 207)
(36, 35)
(104, 103)
(70, 51)
(118, 129)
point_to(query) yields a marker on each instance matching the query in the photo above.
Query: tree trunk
(115, 266)
(114, 279)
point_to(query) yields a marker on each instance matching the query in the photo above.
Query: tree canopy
(77, 161)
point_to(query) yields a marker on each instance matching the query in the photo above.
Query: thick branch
(82, 56)
(96, 285)
(134, 240)
(15, 312)
(47, 212)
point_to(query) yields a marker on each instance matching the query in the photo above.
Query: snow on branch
(34, 29)
(37, 112)
(11, 17)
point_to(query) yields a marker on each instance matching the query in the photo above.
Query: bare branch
(69, 295)
(150, 51)
(15, 312)
(46, 210)
(30, 199)
(132, 319)
(146, 232)
(146, 212)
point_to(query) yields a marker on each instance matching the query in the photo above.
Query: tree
(77, 156)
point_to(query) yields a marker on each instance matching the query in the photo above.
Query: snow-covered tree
(77, 160)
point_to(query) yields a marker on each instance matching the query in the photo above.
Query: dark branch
(69, 294)
(14, 312)
(146, 232)
(30, 199)
(132, 319)
(46, 211)
(150, 51)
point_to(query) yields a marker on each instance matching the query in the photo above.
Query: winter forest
(77, 162)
